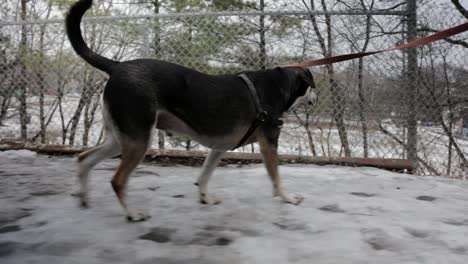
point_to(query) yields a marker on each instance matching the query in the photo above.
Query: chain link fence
(367, 108)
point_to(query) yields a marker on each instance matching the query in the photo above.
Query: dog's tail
(72, 23)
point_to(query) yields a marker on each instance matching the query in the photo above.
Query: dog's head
(304, 88)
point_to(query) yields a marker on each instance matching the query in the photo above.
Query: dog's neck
(292, 91)
(284, 87)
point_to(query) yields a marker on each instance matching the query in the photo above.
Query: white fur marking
(309, 96)
(208, 167)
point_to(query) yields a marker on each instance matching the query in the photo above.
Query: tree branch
(399, 141)
(449, 40)
(460, 8)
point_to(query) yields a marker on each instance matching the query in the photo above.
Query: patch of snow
(18, 156)
(349, 215)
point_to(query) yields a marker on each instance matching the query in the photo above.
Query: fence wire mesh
(50, 96)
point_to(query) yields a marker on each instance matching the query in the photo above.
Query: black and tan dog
(215, 110)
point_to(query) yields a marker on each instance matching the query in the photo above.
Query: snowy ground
(349, 215)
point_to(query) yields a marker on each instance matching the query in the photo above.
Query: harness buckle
(279, 123)
(262, 116)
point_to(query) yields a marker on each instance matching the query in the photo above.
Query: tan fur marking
(132, 154)
(85, 154)
(270, 157)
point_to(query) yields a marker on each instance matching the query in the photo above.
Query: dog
(215, 110)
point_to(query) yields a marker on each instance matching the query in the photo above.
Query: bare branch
(449, 40)
(460, 8)
(403, 144)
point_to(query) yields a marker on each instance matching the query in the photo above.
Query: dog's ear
(306, 75)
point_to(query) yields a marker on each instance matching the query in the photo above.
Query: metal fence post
(145, 28)
(412, 79)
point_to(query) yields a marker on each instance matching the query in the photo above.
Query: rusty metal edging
(229, 157)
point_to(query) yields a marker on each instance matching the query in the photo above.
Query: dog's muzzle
(309, 98)
(313, 98)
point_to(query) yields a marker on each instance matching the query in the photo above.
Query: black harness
(261, 116)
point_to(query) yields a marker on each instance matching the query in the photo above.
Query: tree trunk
(338, 101)
(161, 140)
(362, 108)
(450, 117)
(86, 124)
(85, 99)
(6, 100)
(90, 114)
(73, 123)
(361, 94)
(310, 137)
(306, 124)
(60, 89)
(188, 144)
(447, 130)
(5, 94)
(41, 79)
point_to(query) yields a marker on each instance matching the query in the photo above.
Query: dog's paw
(137, 217)
(204, 199)
(84, 204)
(296, 200)
(83, 199)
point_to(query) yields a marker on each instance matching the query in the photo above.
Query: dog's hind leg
(270, 157)
(132, 153)
(90, 158)
(209, 166)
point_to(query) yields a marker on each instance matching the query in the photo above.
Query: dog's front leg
(209, 165)
(268, 148)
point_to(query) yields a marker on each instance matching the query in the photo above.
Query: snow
(22, 156)
(349, 215)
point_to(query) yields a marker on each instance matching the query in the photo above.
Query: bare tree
(362, 103)
(5, 93)
(305, 122)
(441, 102)
(41, 77)
(464, 13)
(337, 95)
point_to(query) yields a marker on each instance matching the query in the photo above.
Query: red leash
(421, 41)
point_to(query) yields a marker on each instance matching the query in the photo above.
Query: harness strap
(261, 116)
(253, 92)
